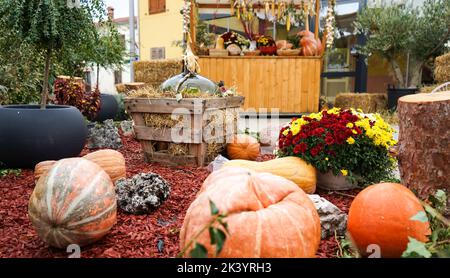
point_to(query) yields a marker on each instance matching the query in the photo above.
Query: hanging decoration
(330, 23)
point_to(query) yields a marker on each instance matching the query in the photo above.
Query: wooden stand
(424, 142)
(195, 109)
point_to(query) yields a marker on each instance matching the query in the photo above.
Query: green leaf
(212, 235)
(220, 240)
(199, 251)
(420, 216)
(214, 209)
(416, 249)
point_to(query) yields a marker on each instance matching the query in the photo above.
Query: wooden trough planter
(194, 131)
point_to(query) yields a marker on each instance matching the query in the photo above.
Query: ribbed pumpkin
(243, 146)
(268, 216)
(310, 45)
(291, 168)
(381, 214)
(42, 168)
(74, 203)
(111, 161)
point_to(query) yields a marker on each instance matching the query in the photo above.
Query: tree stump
(424, 142)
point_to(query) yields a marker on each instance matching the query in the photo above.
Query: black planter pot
(108, 108)
(394, 94)
(29, 135)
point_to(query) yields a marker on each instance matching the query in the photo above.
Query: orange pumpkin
(74, 203)
(243, 147)
(111, 161)
(42, 168)
(310, 45)
(381, 214)
(268, 216)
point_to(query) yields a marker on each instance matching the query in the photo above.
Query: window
(117, 77)
(157, 53)
(156, 6)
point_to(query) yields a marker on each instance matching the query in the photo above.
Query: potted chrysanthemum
(347, 147)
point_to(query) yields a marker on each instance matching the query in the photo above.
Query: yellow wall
(160, 30)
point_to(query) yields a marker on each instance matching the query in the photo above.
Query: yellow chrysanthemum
(344, 172)
(295, 129)
(350, 140)
(286, 132)
(349, 125)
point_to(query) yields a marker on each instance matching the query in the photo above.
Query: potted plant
(407, 37)
(347, 147)
(266, 45)
(33, 133)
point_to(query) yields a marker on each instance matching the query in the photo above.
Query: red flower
(318, 131)
(329, 140)
(316, 150)
(300, 148)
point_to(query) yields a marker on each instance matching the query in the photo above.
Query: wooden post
(424, 142)
(316, 25)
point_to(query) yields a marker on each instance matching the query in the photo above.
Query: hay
(160, 121)
(368, 102)
(154, 73)
(442, 68)
(120, 88)
(428, 89)
(178, 149)
(156, 92)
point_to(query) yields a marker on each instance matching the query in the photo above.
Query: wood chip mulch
(154, 235)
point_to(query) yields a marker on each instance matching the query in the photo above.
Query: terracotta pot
(329, 181)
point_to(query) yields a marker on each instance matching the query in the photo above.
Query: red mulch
(154, 235)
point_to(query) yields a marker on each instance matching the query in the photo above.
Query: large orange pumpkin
(243, 146)
(74, 203)
(381, 214)
(268, 216)
(42, 168)
(310, 45)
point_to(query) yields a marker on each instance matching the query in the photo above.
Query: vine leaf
(416, 249)
(421, 216)
(214, 209)
(199, 251)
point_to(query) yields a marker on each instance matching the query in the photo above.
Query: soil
(154, 235)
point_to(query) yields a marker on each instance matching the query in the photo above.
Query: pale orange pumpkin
(243, 146)
(74, 203)
(268, 216)
(42, 168)
(310, 45)
(111, 161)
(381, 214)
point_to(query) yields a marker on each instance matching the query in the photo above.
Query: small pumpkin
(268, 216)
(310, 45)
(292, 168)
(42, 168)
(381, 214)
(74, 203)
(111, 161)
(243, 146)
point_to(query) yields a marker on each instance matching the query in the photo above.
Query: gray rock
(142, 193)
(332, 219)
(103, 136)
(127, 128)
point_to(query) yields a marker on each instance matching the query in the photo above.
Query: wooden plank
(165, 134)
(284, 74)
(164, 106)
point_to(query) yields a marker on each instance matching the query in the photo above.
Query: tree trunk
(98, 76)
(424, 142)
(397, 71)
(415, 70)
(44, 96)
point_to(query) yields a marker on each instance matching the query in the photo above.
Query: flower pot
(394, 94)
(268, 50)
(329, 181)
(29, 135)
(108, 108)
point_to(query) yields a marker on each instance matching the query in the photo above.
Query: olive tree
(52, 27)
(398, 31)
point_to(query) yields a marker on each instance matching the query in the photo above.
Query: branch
(440, 44)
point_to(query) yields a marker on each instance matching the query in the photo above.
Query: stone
(142, 193)
(103, 136)
(332, 219)
(127, 128)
